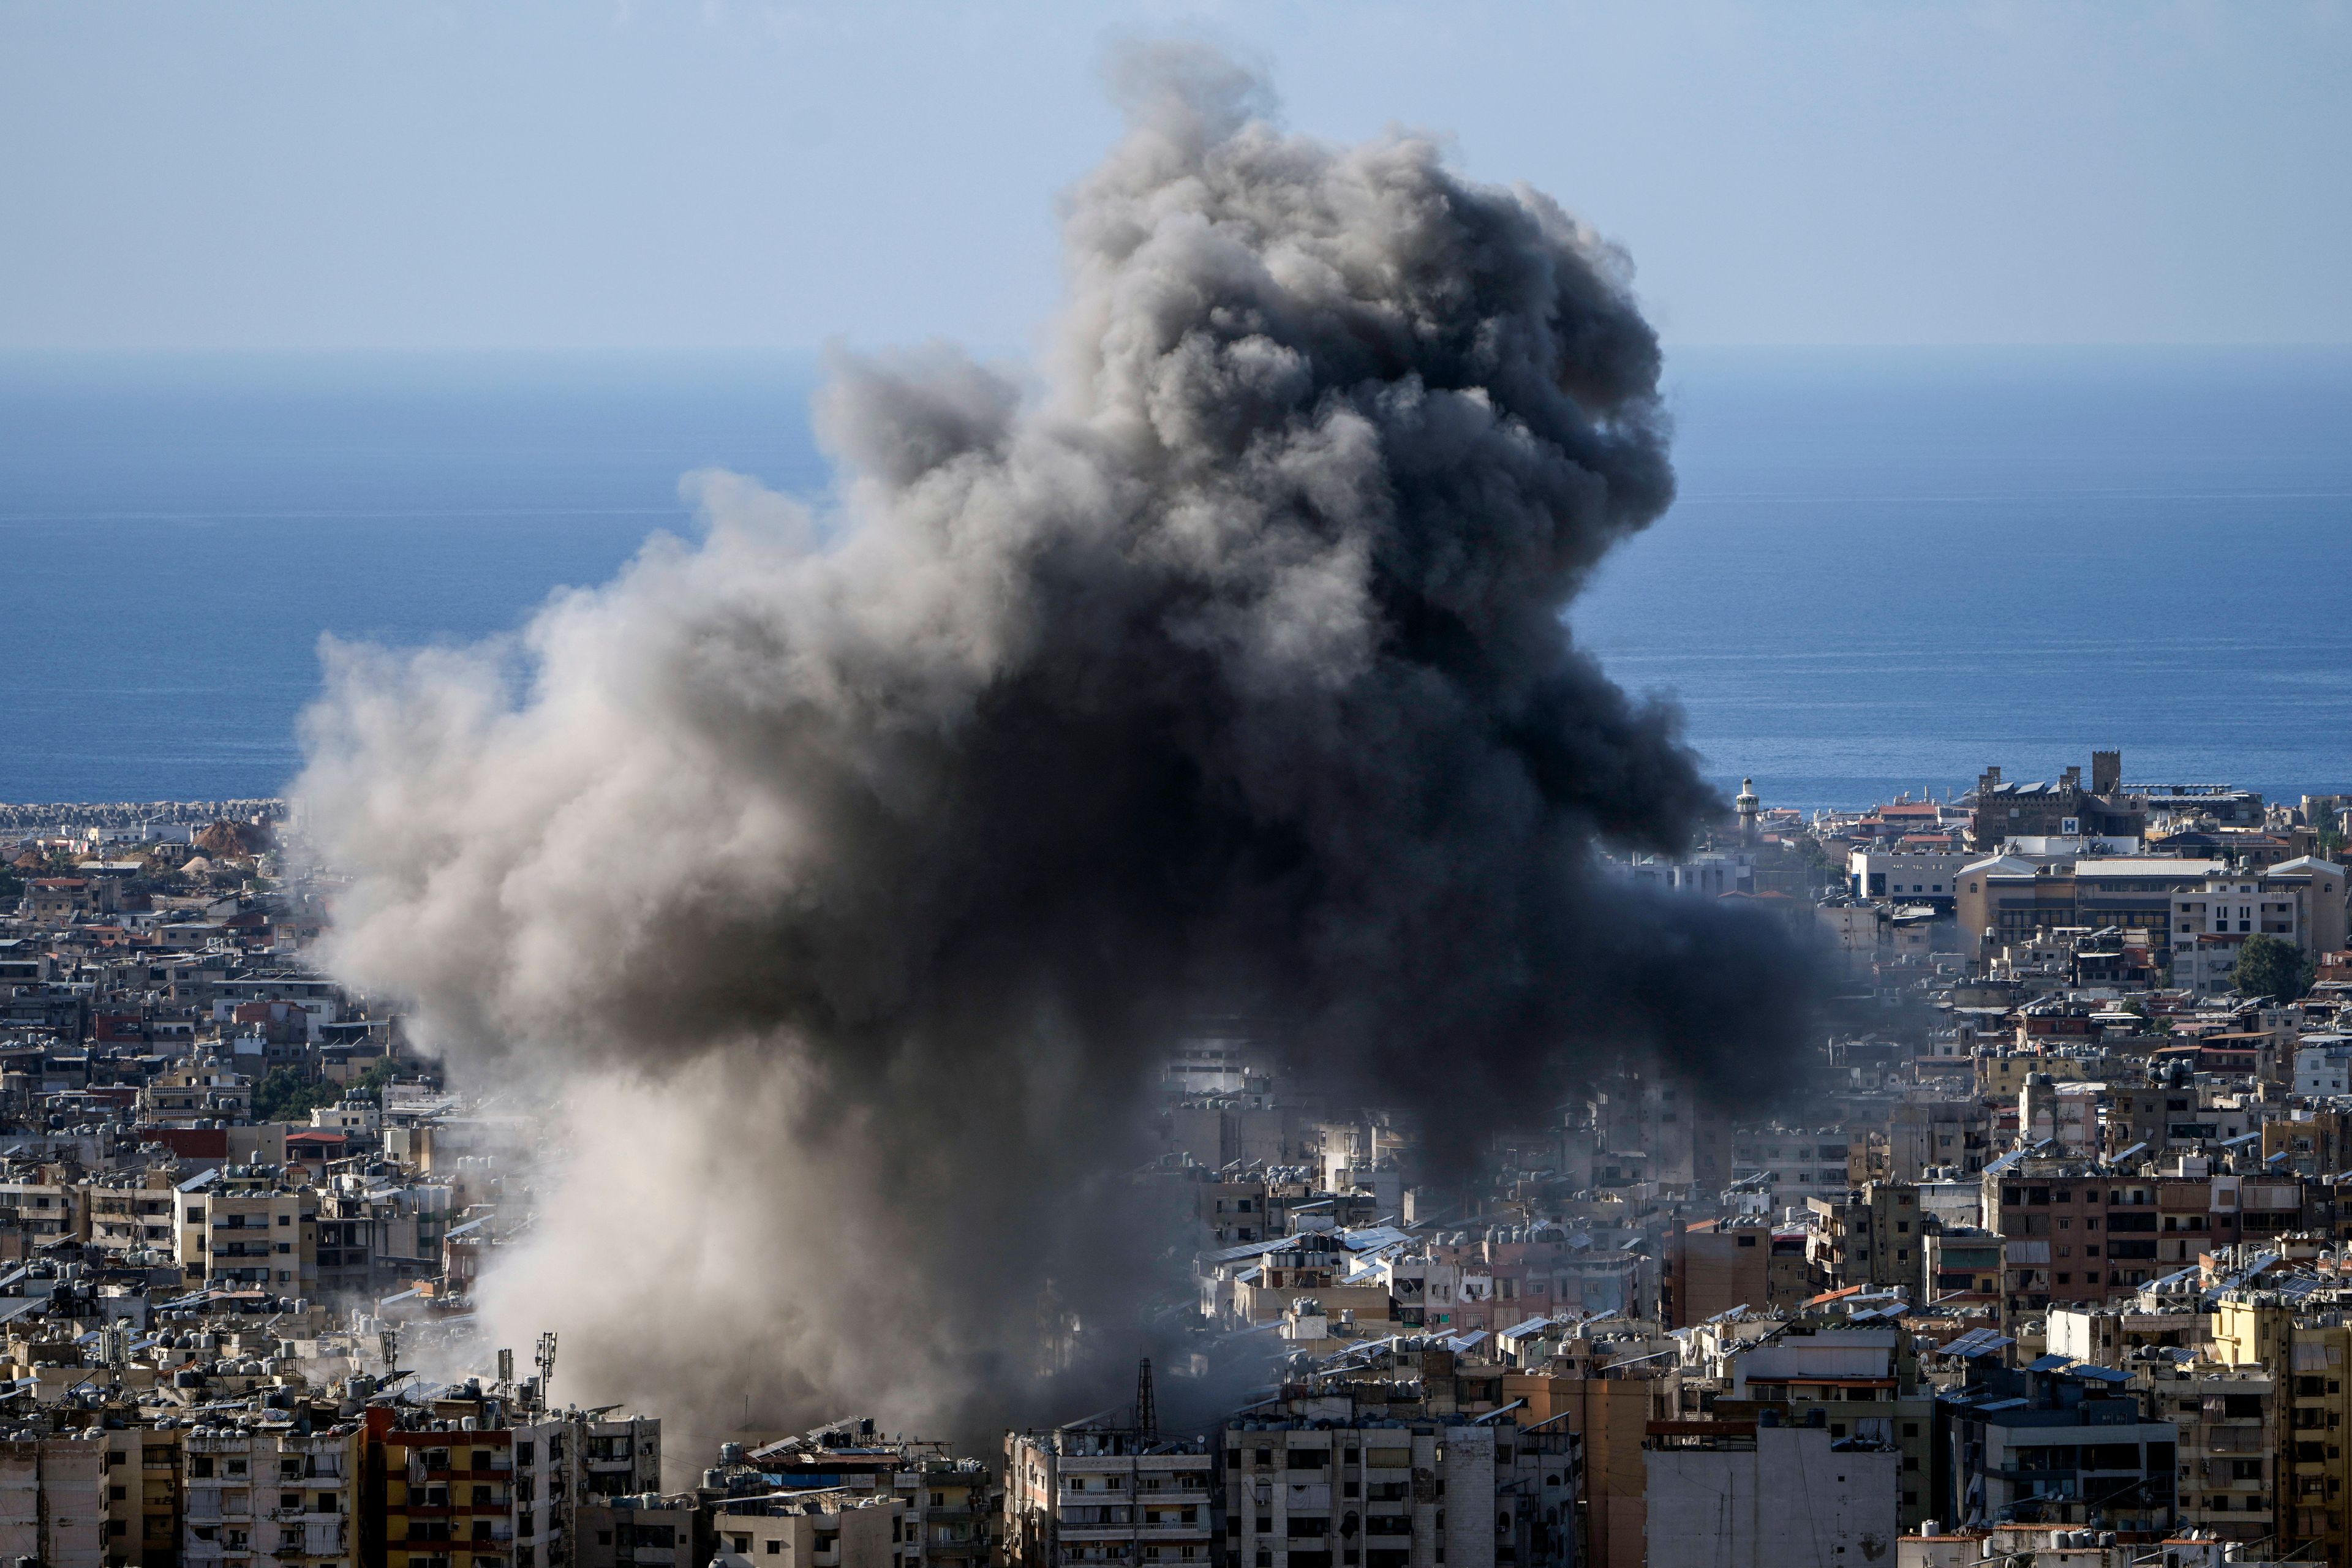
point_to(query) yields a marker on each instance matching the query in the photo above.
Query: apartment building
(1342, 1494)
(2072, 1234)
(245, 1226)
(1088, 1494)
(2308, 1353)
(2299, 902)
(132, 1212)
(647, 1531)
(1872, 1235)
(52, 1500)
(50, 1206)
(143, 1499)
(804, 1529)
(619, 1457)
(2055, 1446)
(222, 1514)
(446, 1493)
(2228, 1418)
(950, 1503)
(1860, 1384)
(545, 1501)
(264, 1495)
(314, 1498)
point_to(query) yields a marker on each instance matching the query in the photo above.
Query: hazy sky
(458, 174)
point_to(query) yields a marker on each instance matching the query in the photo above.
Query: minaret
(1750, 808)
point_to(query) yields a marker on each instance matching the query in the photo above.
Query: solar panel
(2050, 1363)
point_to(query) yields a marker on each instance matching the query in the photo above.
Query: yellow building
(2311, 1361)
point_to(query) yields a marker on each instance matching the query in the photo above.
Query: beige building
(2228, 1418)
(50, 1207)
(52, 1500)
(1610, 1417)
(132, 1212)
(824, 1530)
(649, 1531)
(244, 1226)
(143, 1496)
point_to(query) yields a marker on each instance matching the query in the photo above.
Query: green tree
(2269, 967)
(370, 1085)
(285, 1095)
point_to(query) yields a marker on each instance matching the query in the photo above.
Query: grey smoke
(843, 875)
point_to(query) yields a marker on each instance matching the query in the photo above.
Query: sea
(1884, 571)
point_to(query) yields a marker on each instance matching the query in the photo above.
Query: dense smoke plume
(845, 874)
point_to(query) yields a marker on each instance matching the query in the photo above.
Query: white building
(2299, 902)
(1905, 878)
(2323, 1064)
(2068, 1113)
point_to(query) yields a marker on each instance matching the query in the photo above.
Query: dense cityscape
(2041, 1257)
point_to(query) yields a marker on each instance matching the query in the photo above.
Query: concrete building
(1872, 1235)
(2308, 1352)
(951, 1504)
(2300, 902)
(2054, 1446)
(1342, 1494)
(2228, 1418)
(657, 1532)
(245, 1226)
(1924, 878)
(448, 1494)
(2323, 1066)
(1961, 1261)
(809, 1530)
(2071, 1233)
(1089, 1493)
(1740, 1494)
(2009, 899)
(143, 1507)
(52, 1500)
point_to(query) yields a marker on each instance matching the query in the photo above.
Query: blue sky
(240, 174)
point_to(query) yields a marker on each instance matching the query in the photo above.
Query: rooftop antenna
(505, 1367)
(387, 1341)
(543, 1358)
(1147, 1411)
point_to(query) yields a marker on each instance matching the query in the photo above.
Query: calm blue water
(1886, 570)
